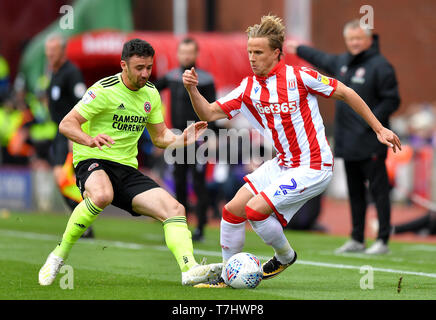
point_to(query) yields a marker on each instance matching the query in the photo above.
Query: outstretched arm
(322, 60)
(70, 127)
(350, 97)
(206, 111)
(162, 137)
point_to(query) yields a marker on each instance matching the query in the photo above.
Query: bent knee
(236, 209)
(102, 198)
(254, 215)
(176, 209)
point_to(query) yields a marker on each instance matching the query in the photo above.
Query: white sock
(271, 232)
(232, 239)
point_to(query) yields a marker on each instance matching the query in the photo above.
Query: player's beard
(140, 83)
(137, 82)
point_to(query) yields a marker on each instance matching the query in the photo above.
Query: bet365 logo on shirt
(285, 107)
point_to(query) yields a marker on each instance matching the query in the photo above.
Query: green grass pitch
(129, 261)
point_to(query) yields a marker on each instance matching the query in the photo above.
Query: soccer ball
(243, 271)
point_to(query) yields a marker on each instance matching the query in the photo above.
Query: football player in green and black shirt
(105, 127)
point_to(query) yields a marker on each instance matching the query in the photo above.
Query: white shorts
(287, 189)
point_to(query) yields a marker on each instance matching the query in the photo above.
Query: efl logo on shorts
(147, 107)
(93, 166)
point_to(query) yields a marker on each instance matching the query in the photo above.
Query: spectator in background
(422, 139)
(306, 217)
(15, 117)
(4, 78)
(421, 126)
(181, 113)
(43, 129)
(365, 70)
(424, 225)
(66, 88)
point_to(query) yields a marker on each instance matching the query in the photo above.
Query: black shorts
(59, 150)
(127, 182)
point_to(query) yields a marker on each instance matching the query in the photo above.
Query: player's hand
(100, 140)
(193, 132)
(389, 138)
(190, 78)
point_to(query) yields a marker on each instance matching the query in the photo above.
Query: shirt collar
(273, 71)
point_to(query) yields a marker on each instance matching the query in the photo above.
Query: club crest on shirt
(359, 76)
(360, 72)
(147, 107)
(292, 85)
(343, 70)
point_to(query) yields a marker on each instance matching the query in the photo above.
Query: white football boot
(201, 273)
(351, 246)
(379, 247)
(48, 272)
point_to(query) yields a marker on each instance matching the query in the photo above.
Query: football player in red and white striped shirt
(279, 101)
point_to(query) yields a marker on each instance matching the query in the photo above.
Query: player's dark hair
(189, 40)
(136, 47)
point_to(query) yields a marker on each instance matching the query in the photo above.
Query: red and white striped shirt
(284, 108)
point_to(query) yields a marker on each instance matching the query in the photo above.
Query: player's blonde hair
(270, 27)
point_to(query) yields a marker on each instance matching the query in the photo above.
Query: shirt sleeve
(156, 114)
(92, 102)
(316, 83)
(231, 103)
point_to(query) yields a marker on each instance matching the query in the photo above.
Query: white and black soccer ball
(243, 271)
